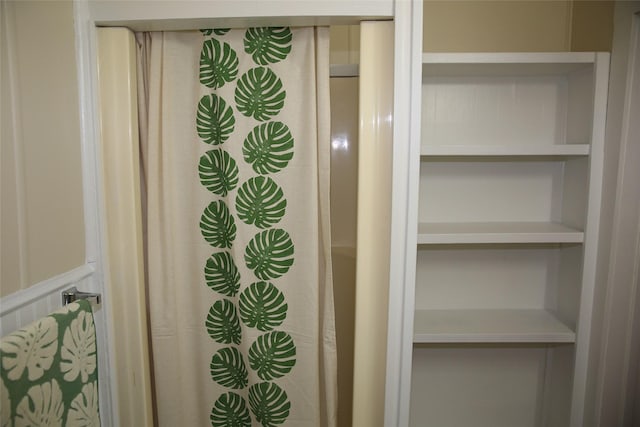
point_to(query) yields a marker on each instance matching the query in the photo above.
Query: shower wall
(344, 184)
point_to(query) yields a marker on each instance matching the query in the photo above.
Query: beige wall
(592, 25)
(489, 26)
(344, 44)
(42, 208)
(344, 194)
(500, 26)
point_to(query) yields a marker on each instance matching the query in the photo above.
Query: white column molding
(124, 275)
(374, 209)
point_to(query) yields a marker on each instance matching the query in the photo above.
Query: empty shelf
(487, 64)
(490, 326)
(497, 232)
(559, 150)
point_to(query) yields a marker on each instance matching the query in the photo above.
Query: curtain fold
(235, 143)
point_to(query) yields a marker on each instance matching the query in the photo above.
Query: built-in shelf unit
(508, 209)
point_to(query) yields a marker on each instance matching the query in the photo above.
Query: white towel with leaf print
(235, 127)
(49, 371)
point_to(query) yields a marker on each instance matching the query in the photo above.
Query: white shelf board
(497, 232)
(452, 64)
(509, 58)
(490, 326)
(427, 150)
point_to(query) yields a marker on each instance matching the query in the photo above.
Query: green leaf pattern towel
(49, 374)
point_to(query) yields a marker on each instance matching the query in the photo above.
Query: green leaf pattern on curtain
(214, 121)
(269, 254)
(259, 94)
(218, 172)
(272, 355)
(262, 306)
(221, 274)
(268, 148)
(259, 202)
(216, 31)
(217, 225)
(228, 368)
(268, 45)
(222, 323)
(218, 64)
(48, 374)
(269, 403)
(230, 410)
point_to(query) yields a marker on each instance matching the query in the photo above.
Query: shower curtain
(235, 146)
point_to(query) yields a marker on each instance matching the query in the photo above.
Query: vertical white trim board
(592, 229)
(404, 214)
(620, 348)
(86, 57)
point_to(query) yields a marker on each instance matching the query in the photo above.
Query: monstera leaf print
(84, 407)
(272, 355)
(42, 406)
(262, 306)
(259, 94)
(230, 410)
(222, 323)
(218, 172)
(268, 148)
(260, 202)
(214, 121)
(269, 404)
(228, 368)
(217, 225)
(32, 349)
(79, 348)
(216, 31)
(267, 45)
(269, 254)
(218, 64)
(5, 405)
(221, 274)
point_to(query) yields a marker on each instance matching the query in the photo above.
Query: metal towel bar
(72, 294)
